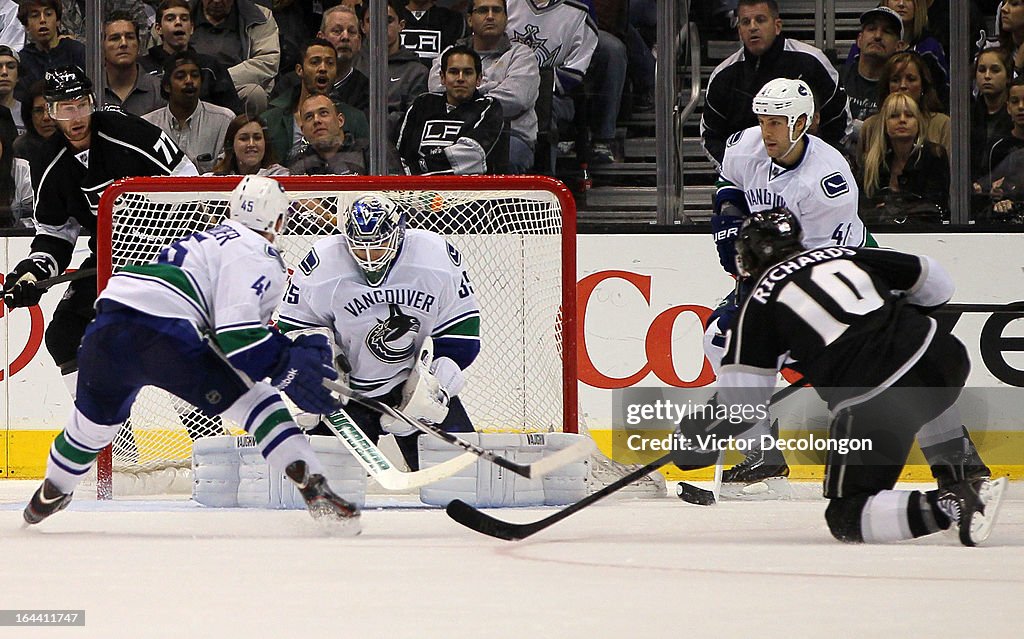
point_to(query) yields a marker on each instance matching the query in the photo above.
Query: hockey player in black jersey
(855, 323)
(69, 176)
(459, 131)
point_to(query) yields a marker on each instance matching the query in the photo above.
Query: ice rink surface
(620, 569)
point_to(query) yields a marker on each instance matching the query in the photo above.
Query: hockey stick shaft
(483, 523)
(380, 467)
(66, 277)
(530, 471)
(1010, 307)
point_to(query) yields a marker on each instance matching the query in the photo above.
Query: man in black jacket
(459, 131)
(767, 54)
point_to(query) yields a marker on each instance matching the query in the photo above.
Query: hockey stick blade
(66, 277)
(376, 463)
(694, 494)
(530, 471)
(483, 523)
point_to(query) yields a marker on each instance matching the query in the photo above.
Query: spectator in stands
(10, 210)
(641, 56)
(40, 126)
(330, 151)
(766, 54)
(197, 127)
(45, 47)
(174, 26)
(340, 27)
(1011, 32)
(992, 178)
(12, 32)
(907, 72)
(563, 37)
(914, 14)
(318, 73)
(430, 29)
(242, 35)
(606, 78)
(297, 21)
(905, 177)
(72, 21)
(459, 131)
(245, 150)
(407, 77)
(510, 76)
(990, 120)
(128, 86)
(881, 35)
(9, 80)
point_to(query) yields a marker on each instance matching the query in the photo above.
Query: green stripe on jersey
(469, 327)
(286, 327)
(72, 453)
(231, 341)
(272, 421)
(168, 273)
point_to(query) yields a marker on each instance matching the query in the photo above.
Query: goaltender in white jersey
(383, 290)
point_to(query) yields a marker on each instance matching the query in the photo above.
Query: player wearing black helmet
(854, 322)
(95, 149)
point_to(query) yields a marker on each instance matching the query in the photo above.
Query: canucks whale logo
(393, 339)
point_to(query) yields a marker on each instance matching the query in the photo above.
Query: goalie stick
(377, 464)
(483, 523)
(531, 471)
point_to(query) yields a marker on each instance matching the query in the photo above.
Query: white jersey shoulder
(381, 328)
(224, 278)
(820, 189)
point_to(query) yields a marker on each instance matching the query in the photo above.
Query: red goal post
(518, 234)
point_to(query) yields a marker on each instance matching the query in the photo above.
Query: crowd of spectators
(888, 108)
(282, 86)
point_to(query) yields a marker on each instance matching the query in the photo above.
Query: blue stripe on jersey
(462, 351)
(262, 406)
(440, 328)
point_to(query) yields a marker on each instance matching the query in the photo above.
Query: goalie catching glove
(20, 288)
(427, 392)
(304, 366)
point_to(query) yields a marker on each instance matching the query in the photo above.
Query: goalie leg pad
(486, 485)
(231, 472)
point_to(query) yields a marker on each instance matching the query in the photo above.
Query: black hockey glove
(725, 228)
(306, 363)
(19, 285)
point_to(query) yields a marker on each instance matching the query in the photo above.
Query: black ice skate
(761, 475)
(951, 468)
(322, 502)
(47, 500)
(972, 507)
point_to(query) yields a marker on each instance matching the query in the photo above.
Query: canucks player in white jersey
(384, 290)
(194, 322)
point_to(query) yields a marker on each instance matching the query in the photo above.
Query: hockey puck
(694, 495)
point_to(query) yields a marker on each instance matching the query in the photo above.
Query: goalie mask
(765, 239)
(375, 229)
(789, 99)
(259, 203)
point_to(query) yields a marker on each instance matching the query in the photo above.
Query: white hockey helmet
(375, 229)
(259, 203)
(788, 98)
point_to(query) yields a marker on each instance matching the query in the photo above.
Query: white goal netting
(509, 231)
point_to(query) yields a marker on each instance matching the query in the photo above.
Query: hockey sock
(893, 515)
(74, 450)
(71, 382)
(263, 414)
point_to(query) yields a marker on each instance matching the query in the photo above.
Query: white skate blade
(981, 524)
(773, 488)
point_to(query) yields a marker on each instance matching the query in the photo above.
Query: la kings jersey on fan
(820, 190)
(438, 138)
(835, 315)
(68, 184)
(430, 32)
(381, 329)
(227, 281)
(561, 33)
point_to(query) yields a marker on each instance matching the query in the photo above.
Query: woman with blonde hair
(906, 72)
(246, 151)
(905, 176)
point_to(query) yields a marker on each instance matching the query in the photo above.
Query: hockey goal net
(517, 236)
